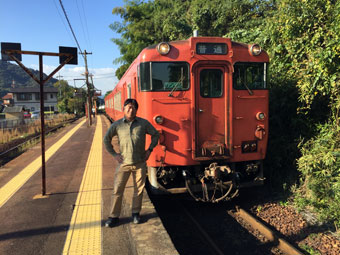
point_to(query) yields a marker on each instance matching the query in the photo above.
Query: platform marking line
(85, 232)
(9, 189)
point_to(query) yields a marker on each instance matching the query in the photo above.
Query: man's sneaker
(135, 218)
(111, 222)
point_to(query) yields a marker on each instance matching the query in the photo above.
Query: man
(131, 131)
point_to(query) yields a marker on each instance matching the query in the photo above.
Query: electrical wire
(81, 22)
(68, 31)
(86, 26)
(68, 21)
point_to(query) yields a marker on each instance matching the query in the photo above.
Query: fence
(14, 123)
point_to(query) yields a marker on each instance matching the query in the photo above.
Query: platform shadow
(64, 228)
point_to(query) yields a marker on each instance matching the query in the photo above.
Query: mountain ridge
(12, 72)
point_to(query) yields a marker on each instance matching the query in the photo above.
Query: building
(29, 98)
(8, 99)
(14, 112)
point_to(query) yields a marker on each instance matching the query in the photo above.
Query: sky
(40, 25)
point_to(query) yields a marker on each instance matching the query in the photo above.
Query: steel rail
(207, 238)
(282, 244)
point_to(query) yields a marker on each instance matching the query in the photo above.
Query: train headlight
(255, 50)
(163, 48)
(260, 116)
(158, 119)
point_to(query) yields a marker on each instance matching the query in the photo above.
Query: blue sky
(40, 25)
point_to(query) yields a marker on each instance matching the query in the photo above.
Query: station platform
(70, 218)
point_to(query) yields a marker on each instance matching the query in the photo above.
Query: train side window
(211, 83)
(128, 90)
(164, 76)
(138, 77)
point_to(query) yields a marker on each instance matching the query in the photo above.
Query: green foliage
(68, 101)
(121, 70)
(302, 39)
(309, 249)
(148, 23)
(304, 43)
(107, 93)
(320, 169)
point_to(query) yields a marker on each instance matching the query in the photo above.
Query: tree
(69, 100)
(107, 93)
(303, 43)
(148, 23)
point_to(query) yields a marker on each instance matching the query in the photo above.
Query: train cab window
(166, 76)
(249, 76)
(211, 83)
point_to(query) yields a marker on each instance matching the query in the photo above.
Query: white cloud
(104, 79)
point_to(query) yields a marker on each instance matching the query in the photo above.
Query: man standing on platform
(131, 131)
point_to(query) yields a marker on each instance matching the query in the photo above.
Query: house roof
(8, 96)
(34, 90)
(13, 109)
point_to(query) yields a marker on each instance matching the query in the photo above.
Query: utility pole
(59, 87)
(94, 103)
(89, 105)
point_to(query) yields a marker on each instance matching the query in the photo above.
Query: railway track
(10, 153)
(256, 225)
(224, 228)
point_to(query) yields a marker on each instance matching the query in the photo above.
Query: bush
(320, 173)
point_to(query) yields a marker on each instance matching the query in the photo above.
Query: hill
(10, 72)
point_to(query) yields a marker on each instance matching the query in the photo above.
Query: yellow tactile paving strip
(9, 189)
(85, 234)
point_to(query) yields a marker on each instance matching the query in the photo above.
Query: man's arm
(154, 135)
(111, 132)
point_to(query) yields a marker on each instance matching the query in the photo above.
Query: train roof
(192, 40)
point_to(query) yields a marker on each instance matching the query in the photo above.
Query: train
(208, 98)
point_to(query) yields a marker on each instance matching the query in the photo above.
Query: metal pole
(89, 103)
(42, 118)
(41, 82)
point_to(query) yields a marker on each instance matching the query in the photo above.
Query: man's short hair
(131, 101)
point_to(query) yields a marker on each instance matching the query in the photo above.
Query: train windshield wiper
(179, 82)
(249, 90)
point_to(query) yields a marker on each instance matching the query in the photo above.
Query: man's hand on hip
(147, 154)
(119, 158)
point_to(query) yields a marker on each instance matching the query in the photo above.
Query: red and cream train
(208, 98)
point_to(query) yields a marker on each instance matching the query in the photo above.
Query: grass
(23, 131)
(309, 249)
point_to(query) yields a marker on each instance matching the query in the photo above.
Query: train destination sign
(211, 48)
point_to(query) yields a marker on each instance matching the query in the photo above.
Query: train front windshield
(249, 76)
(166, 76)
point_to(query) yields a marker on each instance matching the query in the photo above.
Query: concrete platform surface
(70, 219)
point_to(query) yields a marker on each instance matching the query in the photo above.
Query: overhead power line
(62, 20)
(74, 36)
(86, 35)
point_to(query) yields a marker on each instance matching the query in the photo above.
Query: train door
(211, 112)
